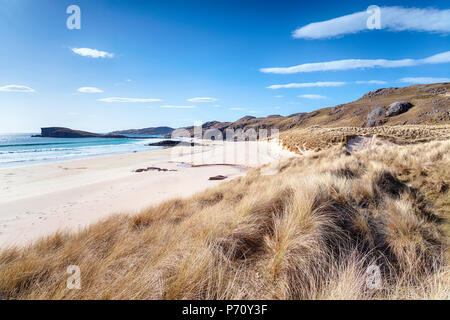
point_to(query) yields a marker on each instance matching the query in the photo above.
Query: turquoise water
(21, 149)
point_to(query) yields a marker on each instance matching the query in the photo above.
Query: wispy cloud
(307, 85)
(202, 99)
(177, 107)
(16, 88)
(391, 18)
(93, 53)
(419, 80)
(279, 96)
(89, 90)
(348, 64)
(118, 99)
(312, 96)
(371, 82)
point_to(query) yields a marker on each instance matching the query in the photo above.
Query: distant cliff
(58, 132)
(154, 131)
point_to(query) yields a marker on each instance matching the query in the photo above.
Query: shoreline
(40, 199)
(70, 157)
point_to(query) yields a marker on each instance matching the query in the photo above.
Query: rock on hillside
(398, 108)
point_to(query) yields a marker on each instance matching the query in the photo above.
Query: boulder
(219, 177)
(373, 117)
(375, 113)
(153, 169)
(398, 108)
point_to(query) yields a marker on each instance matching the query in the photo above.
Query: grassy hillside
(309, 231)
(430, 106)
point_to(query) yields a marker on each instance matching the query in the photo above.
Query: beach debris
(153, 169)
(218, 177)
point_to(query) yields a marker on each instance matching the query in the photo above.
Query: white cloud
(423, 80)
(391, 18)
(312, 96)
(16, 88)
(118, 99)
(93, 53)
(348, 64)
(371, 82)
(237, 109)
(177, 107)
(279, 96)
(89, 90)
(307, 85)
(202, 99)
(443, 57)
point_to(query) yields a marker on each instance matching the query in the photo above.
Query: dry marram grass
(318, 138)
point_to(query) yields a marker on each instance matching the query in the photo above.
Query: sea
(21, 149)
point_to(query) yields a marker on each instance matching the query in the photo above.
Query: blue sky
(159, 56)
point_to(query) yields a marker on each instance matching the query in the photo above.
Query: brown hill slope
(423, 104)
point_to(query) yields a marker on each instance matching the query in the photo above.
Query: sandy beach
(38, 200)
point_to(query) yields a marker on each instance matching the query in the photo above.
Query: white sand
(40, 199)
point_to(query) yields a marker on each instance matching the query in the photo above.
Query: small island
(60, 132)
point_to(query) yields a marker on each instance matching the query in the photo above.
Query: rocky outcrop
(246, 118)
(60, 132)
(172, 143)
(398, 108)
(219, 177)
(374, 117)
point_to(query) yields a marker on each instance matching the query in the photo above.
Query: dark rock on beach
(153, 169)
(172, 143)
(219, 177)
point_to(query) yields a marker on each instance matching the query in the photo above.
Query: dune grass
(320, 138)
(310, 231)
